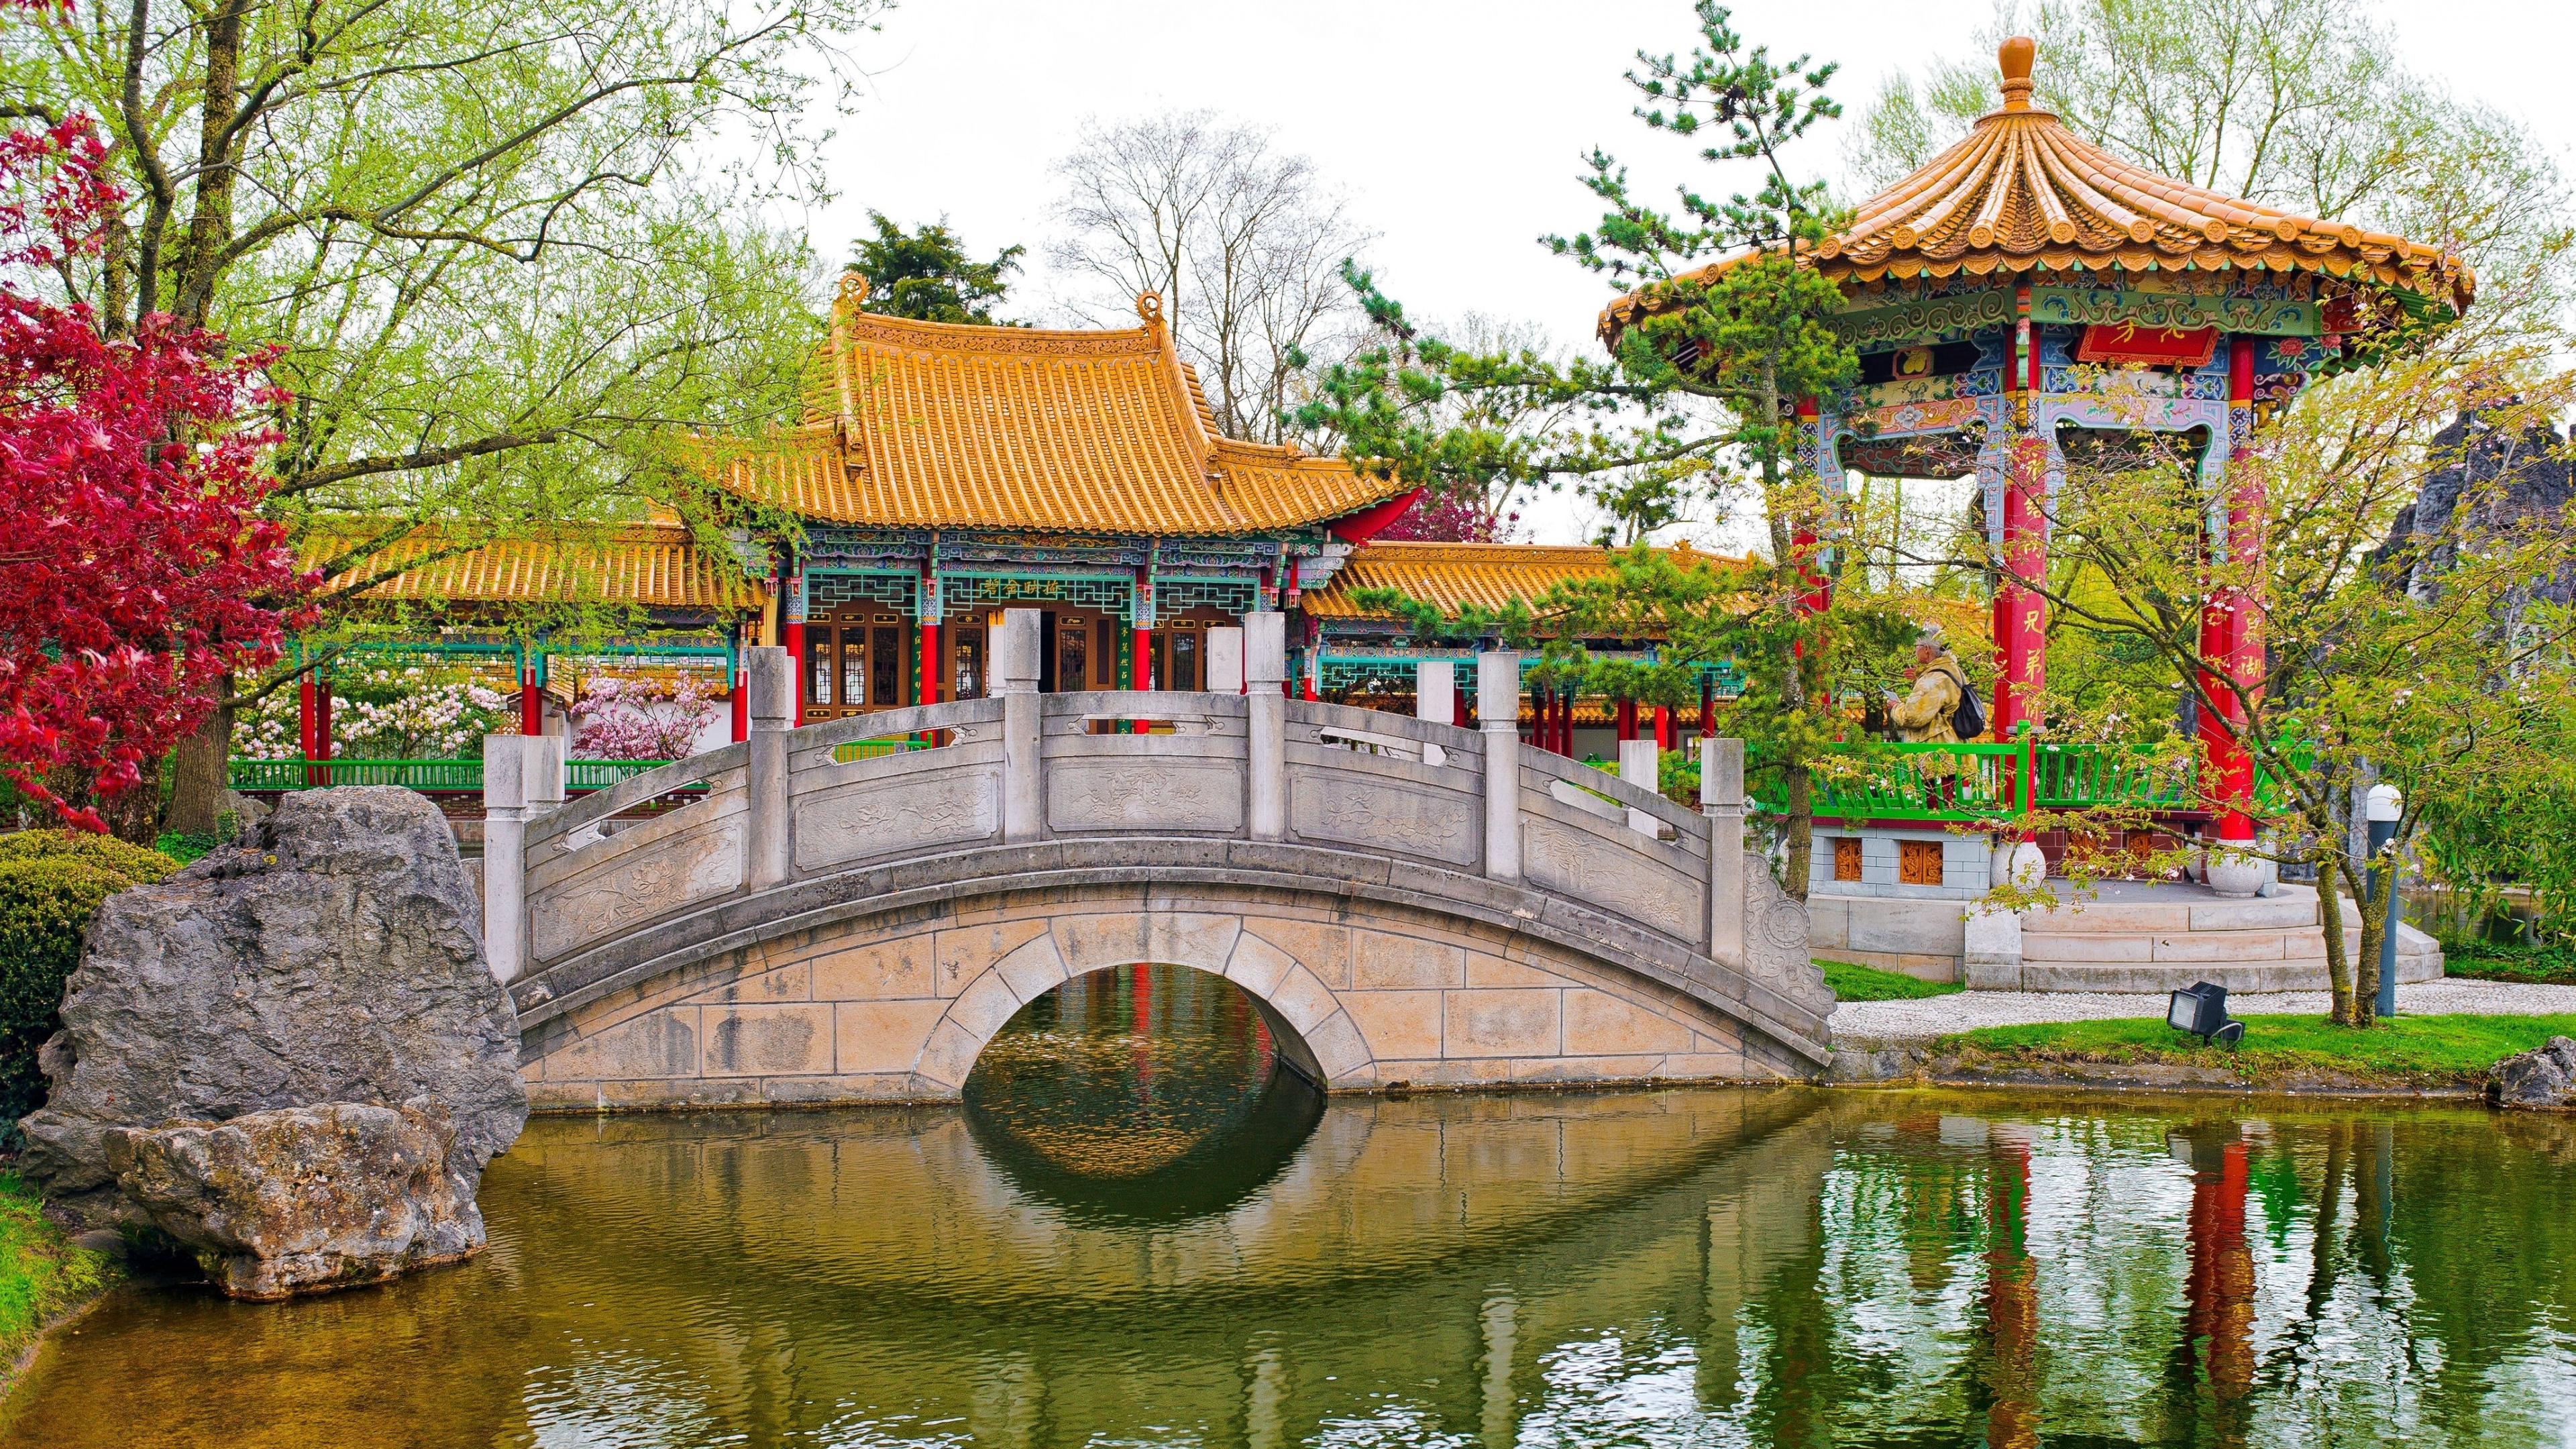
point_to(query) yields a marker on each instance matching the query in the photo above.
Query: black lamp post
(2201, 1009)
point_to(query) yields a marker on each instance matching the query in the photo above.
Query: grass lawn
(2410, 1050)
(41, 1273)
(2553, 964)
(1867, 983)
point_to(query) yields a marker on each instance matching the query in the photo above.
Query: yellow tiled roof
(930, 424)
(656, 565)
(2022, 193)
(1488, 575)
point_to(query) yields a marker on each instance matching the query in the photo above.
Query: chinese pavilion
(2026, 295)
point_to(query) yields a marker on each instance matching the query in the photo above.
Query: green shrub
(51, 883)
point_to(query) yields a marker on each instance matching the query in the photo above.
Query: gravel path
(1931, 1016)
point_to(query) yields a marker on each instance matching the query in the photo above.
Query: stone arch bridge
(1407, 902)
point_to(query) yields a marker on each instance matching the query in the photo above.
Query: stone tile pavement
(1921, 1020)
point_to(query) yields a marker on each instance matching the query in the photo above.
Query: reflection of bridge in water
(1692, 1265)
(1407, 902)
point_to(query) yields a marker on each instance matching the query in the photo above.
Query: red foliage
(1449, 519)
(133, 572)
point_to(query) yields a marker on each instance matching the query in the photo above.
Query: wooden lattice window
(1846, 858)
(1918, 862)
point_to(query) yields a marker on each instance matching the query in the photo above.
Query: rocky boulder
(333, 955)
(305, 1199)
(2543, 1077)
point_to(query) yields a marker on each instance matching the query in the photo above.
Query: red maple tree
(134, 572)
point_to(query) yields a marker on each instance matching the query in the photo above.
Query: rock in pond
(2543, 1077)
(333, 955)
(304, 1199)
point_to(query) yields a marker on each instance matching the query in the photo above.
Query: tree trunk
(197, 774)
(1802, 834)
(2330, 915)
(2377, 876)
(134, 816)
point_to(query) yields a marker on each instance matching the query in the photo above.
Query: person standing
(1928, 715)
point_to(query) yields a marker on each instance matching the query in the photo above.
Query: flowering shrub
(642, 719)
(387, 712)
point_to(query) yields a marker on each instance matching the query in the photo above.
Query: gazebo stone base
(2127, 936)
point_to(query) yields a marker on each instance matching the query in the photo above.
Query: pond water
(1138, 1230)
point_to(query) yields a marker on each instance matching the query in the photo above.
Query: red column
(930, 681)
(1707, 707)
(1627, 720)
(1565, 722)
(1663, 728)
(2219, 1295)
(2012, 1297)
(791, 633)
(741, 693)
(2231, 632)
(532, 701)
(304, 722)
(2021, 616)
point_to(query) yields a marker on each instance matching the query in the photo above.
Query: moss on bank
(2407, 1052)
(41, 1274)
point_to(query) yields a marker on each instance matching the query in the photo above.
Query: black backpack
(1967, 721)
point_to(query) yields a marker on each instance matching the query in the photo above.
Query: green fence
(436, 776)
(1919, 782)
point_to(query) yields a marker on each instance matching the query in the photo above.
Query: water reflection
(1149, 1093)
(1686, 1267)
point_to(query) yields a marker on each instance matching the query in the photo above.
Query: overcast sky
(1457, 127)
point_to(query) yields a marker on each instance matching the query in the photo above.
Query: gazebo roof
(929, 424)
(2021, 193)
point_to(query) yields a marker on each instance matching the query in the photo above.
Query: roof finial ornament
(1149, 306)
(2014, 56)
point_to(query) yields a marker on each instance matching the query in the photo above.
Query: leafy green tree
(478, 231)
(1748, 335)
(927, 274)
(2455, 683)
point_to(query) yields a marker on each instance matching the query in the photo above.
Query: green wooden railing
(466, 776)
(1921, 782)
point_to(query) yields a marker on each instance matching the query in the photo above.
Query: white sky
(1456, 126)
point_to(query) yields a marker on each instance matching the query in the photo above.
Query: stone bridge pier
(849, 912)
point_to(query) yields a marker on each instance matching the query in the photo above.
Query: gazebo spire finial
(2014, 56)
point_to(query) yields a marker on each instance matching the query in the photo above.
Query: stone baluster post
(546, 773)
(1498, 719)
(1435, 700)
(1721, 799)
(1265, 680)
(505, 854)
(772, 677)
(1641, 764)
(1225, 661)
(1015, 683)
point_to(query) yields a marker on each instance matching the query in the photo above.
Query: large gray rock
(305, 1199)
(2545, 1076)
(334, 955)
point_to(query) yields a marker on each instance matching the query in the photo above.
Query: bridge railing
(789, 806)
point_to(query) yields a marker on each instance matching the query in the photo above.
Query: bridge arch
(868, 999)
(848, 912)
